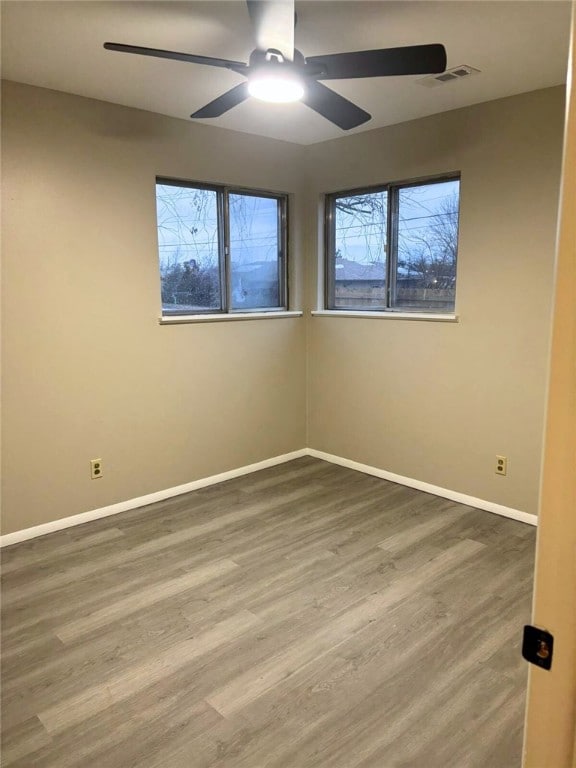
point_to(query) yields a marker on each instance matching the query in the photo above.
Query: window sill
(426, 316)
(226, 317)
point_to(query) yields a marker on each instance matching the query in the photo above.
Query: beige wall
(88, 372)
(436, 401)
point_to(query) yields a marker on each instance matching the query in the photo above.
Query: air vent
(456, 73)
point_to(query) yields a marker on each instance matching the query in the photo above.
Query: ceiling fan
(276, 71)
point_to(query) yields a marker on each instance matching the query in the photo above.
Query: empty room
(287, 384)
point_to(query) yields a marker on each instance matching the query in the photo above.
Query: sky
(188, 226)
(362, 237)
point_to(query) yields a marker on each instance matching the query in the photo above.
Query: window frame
(223, 192)
(392, 190)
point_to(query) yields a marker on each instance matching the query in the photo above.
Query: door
(550, 734)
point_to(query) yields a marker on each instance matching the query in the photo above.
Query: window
(220, 250)
(393, 248)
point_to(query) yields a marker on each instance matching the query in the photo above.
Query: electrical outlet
(501, 467)
(96, 468)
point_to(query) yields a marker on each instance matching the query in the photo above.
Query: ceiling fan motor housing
(274, 58)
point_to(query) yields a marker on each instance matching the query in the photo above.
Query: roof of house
(354, 270)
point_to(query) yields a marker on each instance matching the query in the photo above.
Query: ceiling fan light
(277, 88)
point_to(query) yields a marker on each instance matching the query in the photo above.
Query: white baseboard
(462, 498)
(143, 501)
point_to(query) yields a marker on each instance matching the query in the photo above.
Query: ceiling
(518, 46)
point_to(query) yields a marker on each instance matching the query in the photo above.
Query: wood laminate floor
(303, 616)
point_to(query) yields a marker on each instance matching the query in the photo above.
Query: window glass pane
(425, 276)
(188, 241)
(359, 252)
(254, 252)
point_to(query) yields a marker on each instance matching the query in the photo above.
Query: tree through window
(394, 247)
(220, 250)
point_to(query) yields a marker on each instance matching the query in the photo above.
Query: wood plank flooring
(303, 616)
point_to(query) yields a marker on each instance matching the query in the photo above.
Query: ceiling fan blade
(333, 107)
(273, 23)
(189, 57)
(223, 103)
(408, 60)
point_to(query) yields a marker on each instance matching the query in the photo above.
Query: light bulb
(276, 88)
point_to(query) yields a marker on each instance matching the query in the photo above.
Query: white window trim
(225, 317)
(388, 315)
